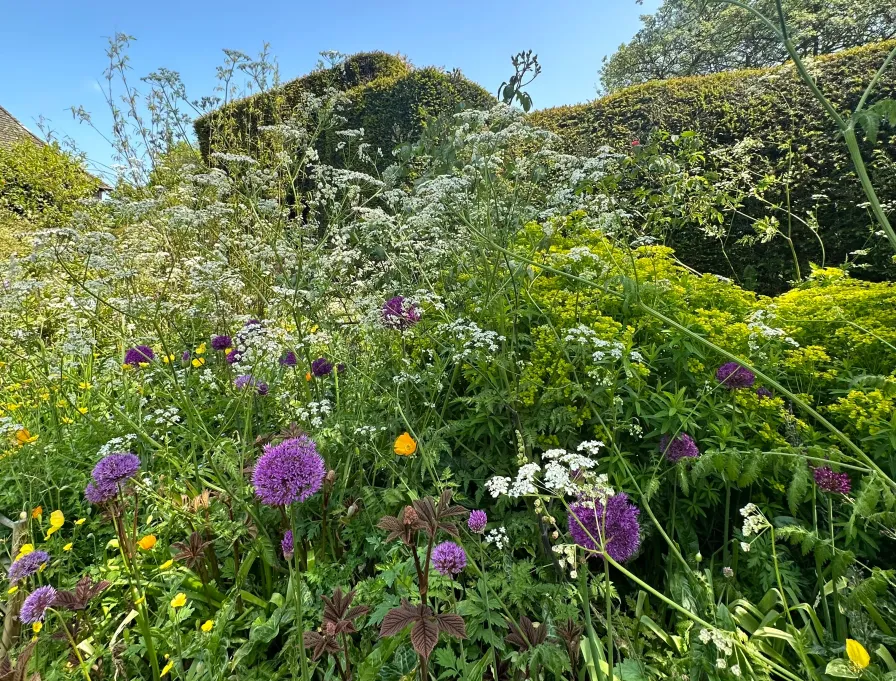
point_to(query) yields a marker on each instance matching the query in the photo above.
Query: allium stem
(85, 670)
(297, 590)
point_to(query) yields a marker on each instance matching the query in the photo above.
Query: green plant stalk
(594, 670)
(297, 592)
(84, 669)
(609, 607)
(838, 616)
(818, 567)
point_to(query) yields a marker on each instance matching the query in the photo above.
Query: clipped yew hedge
(387, 97)
(775, 108)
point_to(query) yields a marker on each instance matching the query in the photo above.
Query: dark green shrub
(386, 96)
(767, 122)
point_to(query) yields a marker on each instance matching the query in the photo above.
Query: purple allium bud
(36, 605)
(221, 343)
(829, 481)
(340, 368)
(734, 376)
(27, 565)
(115, 468)
(477, 521)
(233, 356)
(287, 545)
(449, 559)
(139, 354)
(96, 493)
(289, 471)
(248, 381)
(399, 314)
(682, 446)
(185, 357)
(618, 527)
(763, 393)
(321, 367)
(289, 359)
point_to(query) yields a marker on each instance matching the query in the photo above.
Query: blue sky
(53, 51)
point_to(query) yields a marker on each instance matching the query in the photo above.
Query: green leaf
(841, 669)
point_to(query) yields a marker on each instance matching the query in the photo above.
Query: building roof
(11, 131)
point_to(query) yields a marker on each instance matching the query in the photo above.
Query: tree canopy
(695, 37)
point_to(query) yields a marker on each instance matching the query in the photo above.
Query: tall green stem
(297, 592)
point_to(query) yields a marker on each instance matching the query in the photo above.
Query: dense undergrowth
(458, 419)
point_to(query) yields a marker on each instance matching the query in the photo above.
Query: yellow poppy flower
(147, 542)
(857, 653)
(36, 627)
(57, 520)
(167, 668)
(405, 445)
(25, 550)
(207, 626)
(179, 601)
(198, 362)
(68, 547)
(166, 565)
(12, 590)
(23, 436)
(80, 521)
(201, 349)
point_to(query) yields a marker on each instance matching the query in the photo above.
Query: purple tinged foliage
(221, 343)
(617, 525)
(829, 481)
(115, 468)
(682, 446)
(288, 472)
(36, 605)
(477, 521)
(398, 314)
(321, 367)
(734, 376)
(139, 354)
(449, 559)
(27, 565)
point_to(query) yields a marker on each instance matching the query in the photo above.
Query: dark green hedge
(387, 97)
(775, 108)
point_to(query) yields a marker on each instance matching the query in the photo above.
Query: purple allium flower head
(233, 356)
(35, 606)
(397, 314)
(115, 468)
(449, 559)
(249, 381)
(340, 368)
(139, 354)
(261, 388)
(27, 565)
(734, 376)
(221, 343)
(618, 526)
(96, 493)
(287, 545)
(763, 393)
(829, 481)
(289, 359)
(477, 521)
(682, 446)
(321, 367)
(288, 472)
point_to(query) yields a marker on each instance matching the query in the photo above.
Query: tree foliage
(696, 37)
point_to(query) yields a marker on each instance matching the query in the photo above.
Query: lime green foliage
(385, 95)
(854, 321)
(764, 125)
(40, 186)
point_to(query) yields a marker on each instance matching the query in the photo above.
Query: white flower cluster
(566, 557)
(754, 521)
(725, 646)
(473, 340)
(564, 473)
(498, 538)
(760, 331)
(117, 444)
(314, 413)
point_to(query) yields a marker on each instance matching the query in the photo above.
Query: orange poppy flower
(405, 445)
